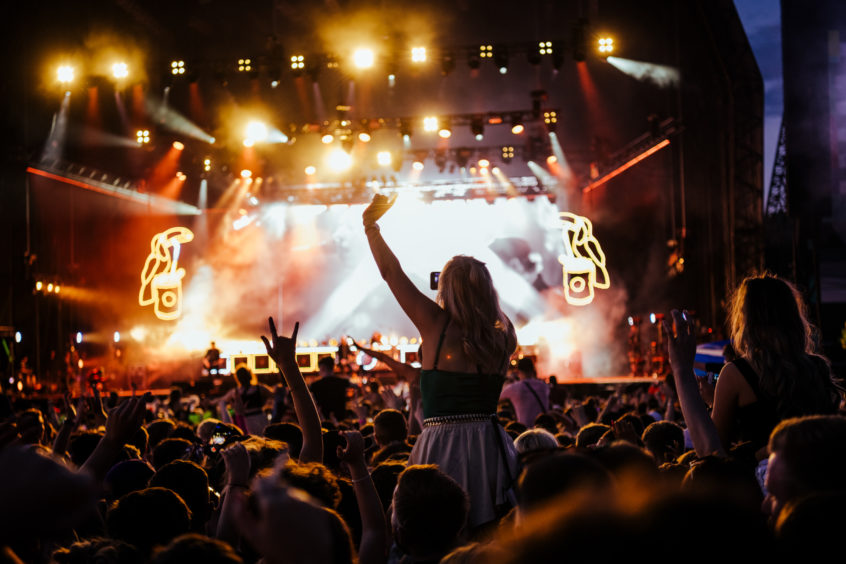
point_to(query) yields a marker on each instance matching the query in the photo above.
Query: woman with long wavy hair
(469, 341)
(779, 373)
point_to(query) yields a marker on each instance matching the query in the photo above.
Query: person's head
(196, 548)
(665, 440)
(326, 366)
(535, 439)
(127, 476)
(82, 445)
(33, 421)
(159, 430)
(213, 345)
(430, 511)
(243, 375)
(191, 483)
(807, 455)
(99, 550)
(770, 328)
(547, 422)
(526, 368)
(809, 529)
(289, 433)
(316, 480)
(169, 450)
(389, 426)
(206, 429)
(384, 477)
(147, 518)
(467, 293)
(560, 474)
(590, 434)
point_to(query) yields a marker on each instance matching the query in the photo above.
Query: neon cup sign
(583, 260)
(161, 279)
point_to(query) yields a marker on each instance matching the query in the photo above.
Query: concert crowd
(480, 461)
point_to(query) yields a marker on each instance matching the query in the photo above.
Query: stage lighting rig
(418, 54)
(430, 123)
(65, 74)
(517, 126)
(363, 58)
(207, 164)
(507, 153)
(177, 67)
(120, 70)
(500, 58)
(445, 129)
(485, 51)
(606, 46)
(310, 170)
(245, 65)
(477, 128)
(142, 136)
(550, 118)
(383, 158)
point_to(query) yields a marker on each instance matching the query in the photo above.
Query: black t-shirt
(330, 394)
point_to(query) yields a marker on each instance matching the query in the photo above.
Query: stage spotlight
(207, 165)
(246, 173)
(18, 337)
(484, 163)
(551, 159)
(606, 45)
(417, 165)
(117, 336)
(445, 130)
(652, 318)
(78, 337)
(57, 288)
(550, 118)
(364, 137)
(339, 160)
(418, 54)
(477, 128)
(177, 67)
(485, 51)
(142, 136)
(310, 170)
(120, 71)
(256, 131)
(363, 58)
(545, 47)
(297, 62)
(65, 74)
(38, 285)
(383, 158)
(500, 58)
(507, 153)
(179, 146)
(327, 138)
(245, 65)
(517, 124)
(430, 123)
(50, 288)
(181, 176)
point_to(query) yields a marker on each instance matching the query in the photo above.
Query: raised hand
(237, 461)
(125, 420)
(281, 349)
(377, 208)
(392, 401)
(682, 345)
(353, 453)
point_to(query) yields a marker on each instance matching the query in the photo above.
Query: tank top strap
(749, 375)
(440, 342)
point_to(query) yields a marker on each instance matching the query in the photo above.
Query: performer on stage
(212, 361)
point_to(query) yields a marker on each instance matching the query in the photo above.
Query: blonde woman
(469, 342)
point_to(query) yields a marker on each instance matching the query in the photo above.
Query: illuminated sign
(161, 279)
(583, 260)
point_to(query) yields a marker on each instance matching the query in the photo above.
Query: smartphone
(433, 280)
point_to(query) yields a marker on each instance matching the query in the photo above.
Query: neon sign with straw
(583, 260)
(161, 279)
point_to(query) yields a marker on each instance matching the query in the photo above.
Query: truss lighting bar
(620, 169)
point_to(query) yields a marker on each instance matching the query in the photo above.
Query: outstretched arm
(283, 353)
(703, 432)
(420, 309)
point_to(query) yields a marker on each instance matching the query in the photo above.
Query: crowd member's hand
(682, 344)
(237, 462)
(284, 524)
(361, 410)
(280, 348)
(99, 411)
(707, 388)
(625, 431)
(125, 419)
(392, 400)
(377, 208)
(353, 453)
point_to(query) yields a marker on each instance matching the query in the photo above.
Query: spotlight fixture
(246, 173)
(363, 58)
(38, 285)
(339, 160)
(430, 123)
(297, 62)
(417, 165)
(256, 131)
(142, 136)
(120, 71)
(65, 74)
(551, 160)
(485, 51)
(418, 54)
(177, 67)
(517, 124)
(310, 170)
(327, 138)
(178, 145)
(500, 58)
(445, 129)
(507, 153)
(550, 118)
(383, 158)
(545, 47)
(207, 165)
(606, 45)
(477, 128)
(364, 137)
(484, 163)
(245, 65)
